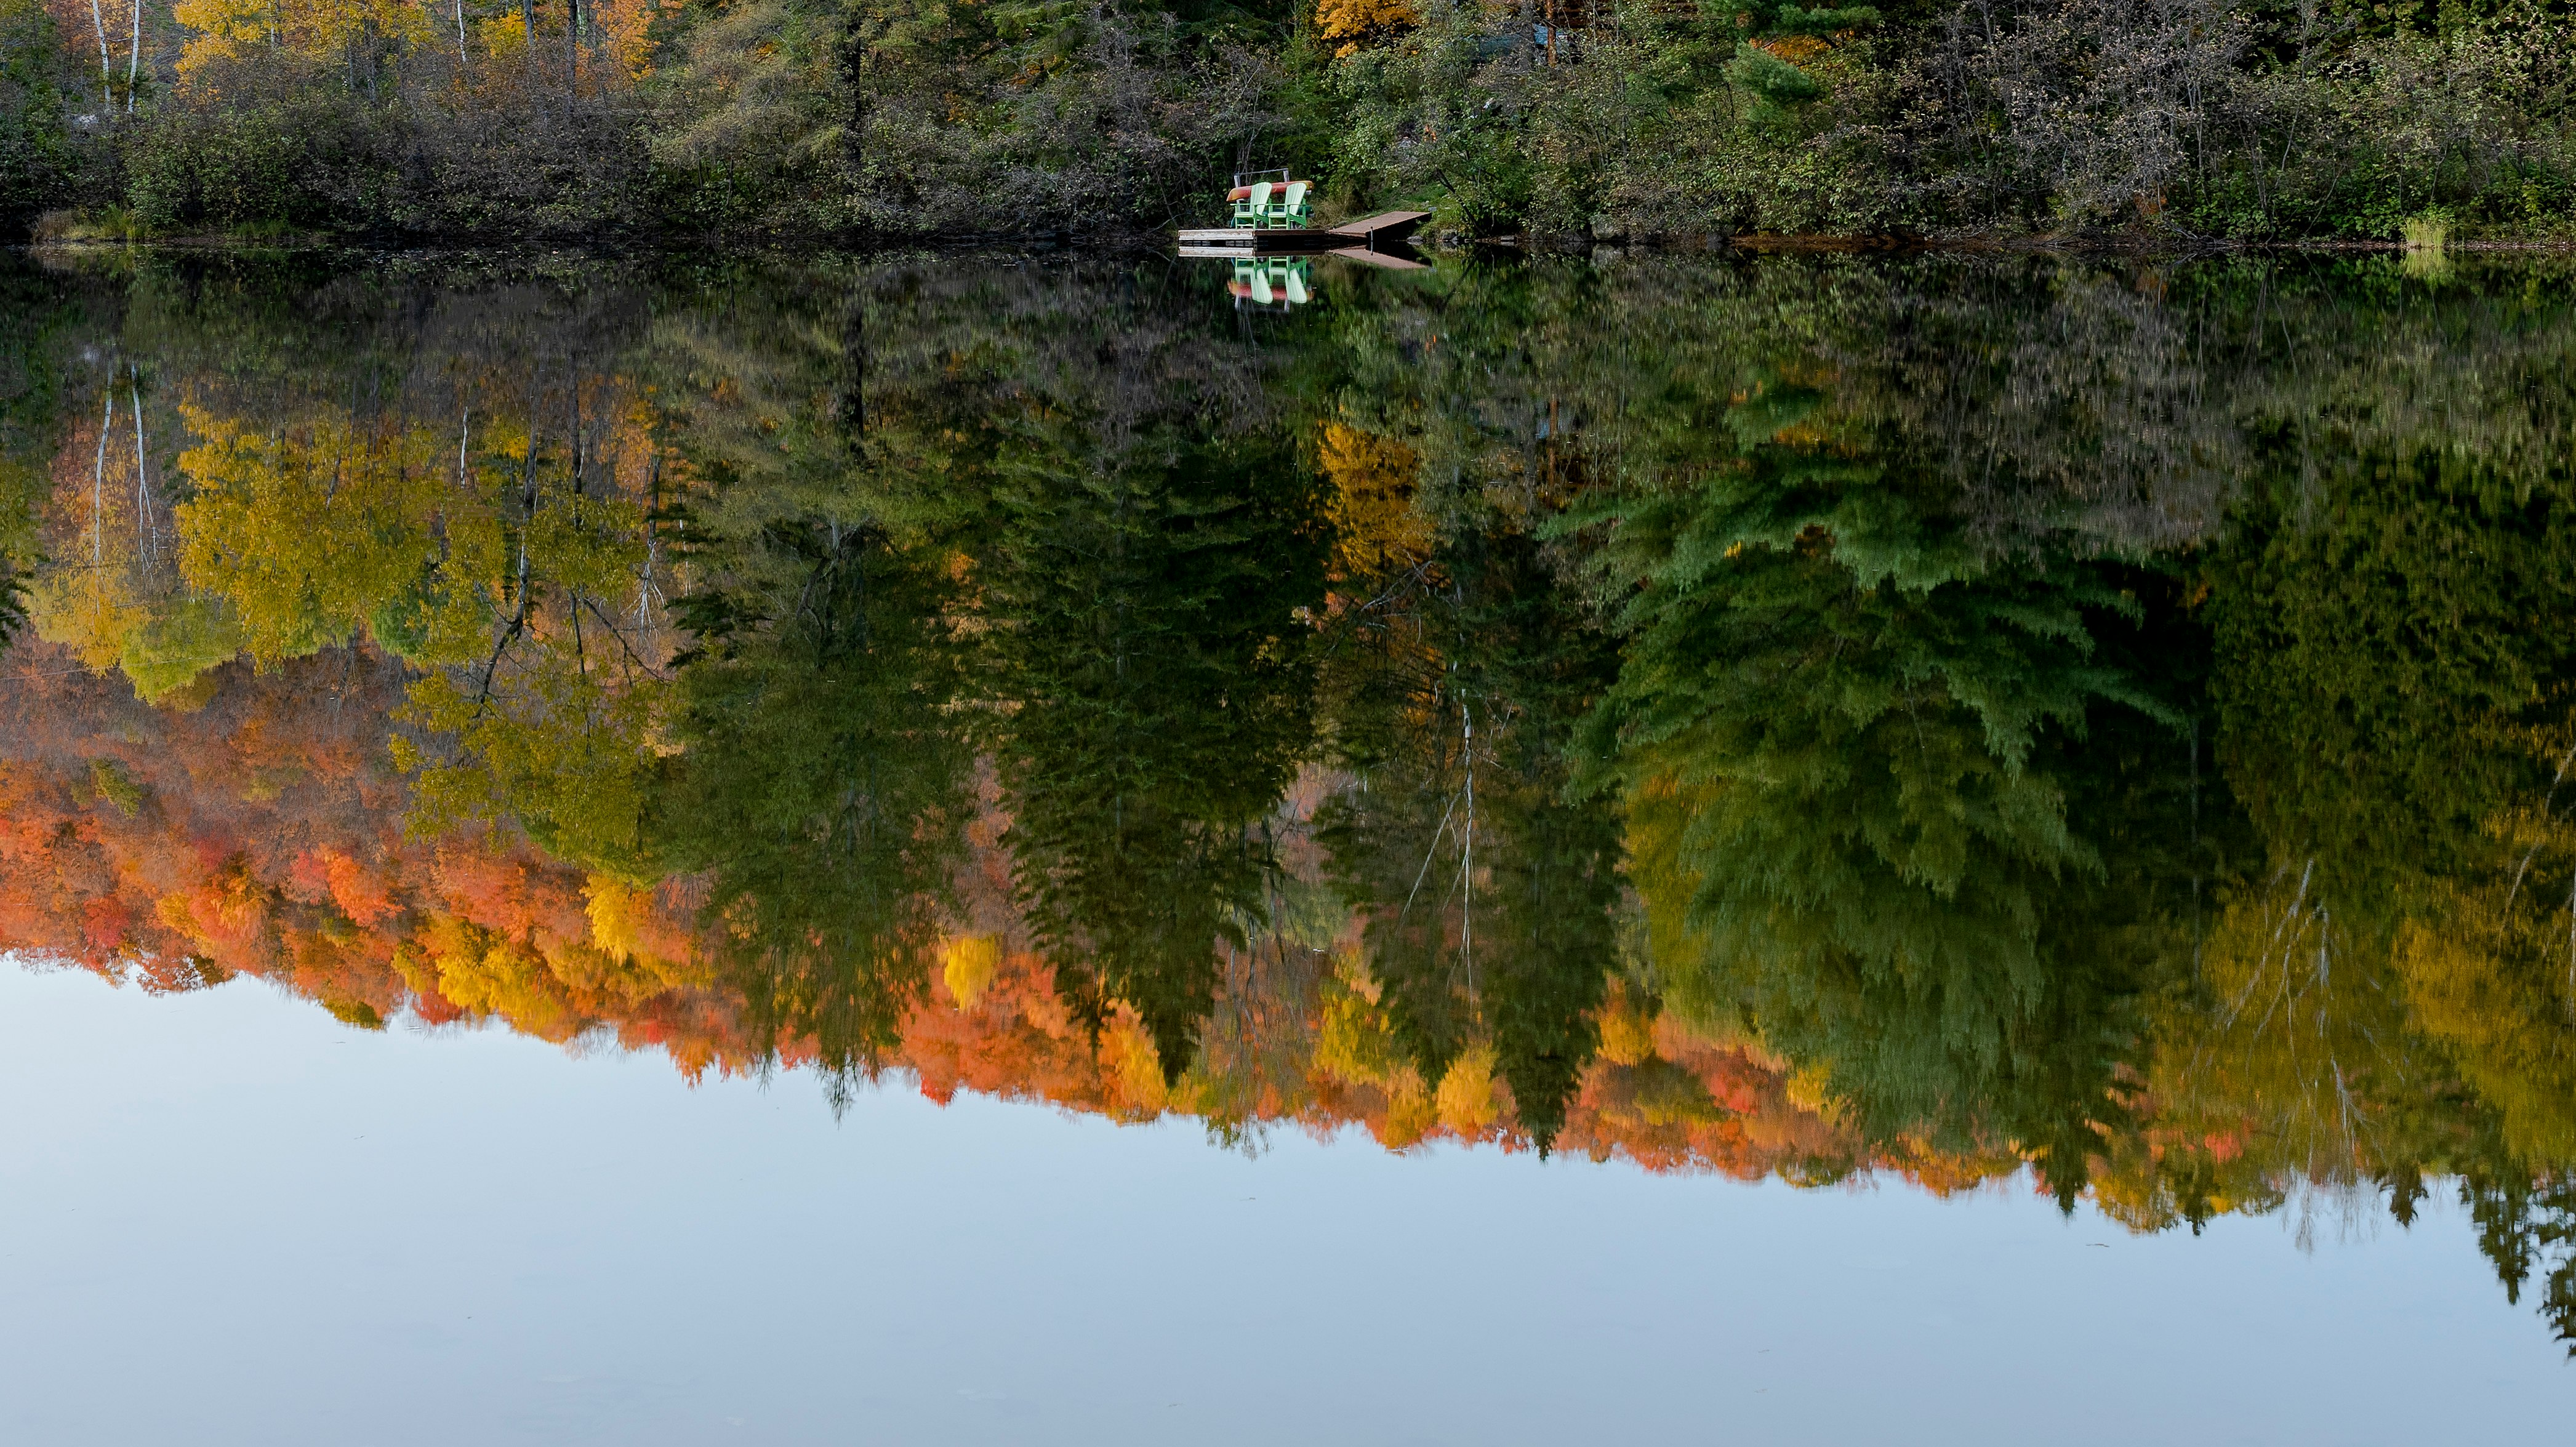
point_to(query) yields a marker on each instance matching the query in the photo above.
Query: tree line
(2147, 121)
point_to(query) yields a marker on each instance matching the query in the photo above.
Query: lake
(977, 848)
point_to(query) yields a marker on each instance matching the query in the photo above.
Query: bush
(304, 158)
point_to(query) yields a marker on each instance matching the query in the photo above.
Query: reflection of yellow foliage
(546, 987)
(1134, 1067)
(1376, 528)
(615, 909)
(1627, 1033)
(305, 529)
(2501, 999)
(90, 611)
(1466, 1095)
(560, 752)
(183, 640)
(1344, 24)
(1811, 1089)
(971, 961)
(1661, 810)
(1409, 1117)
(1355, 1043)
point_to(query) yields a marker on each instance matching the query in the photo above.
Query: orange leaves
(366, 897)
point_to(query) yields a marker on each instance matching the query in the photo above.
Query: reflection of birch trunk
(1467, 866)
(652, 547)
(145, 520)
(98, 484)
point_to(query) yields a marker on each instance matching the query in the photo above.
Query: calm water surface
(957, 850)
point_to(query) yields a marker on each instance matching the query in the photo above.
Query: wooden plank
(1383, 224)
(1266, 240)
(1383, 227)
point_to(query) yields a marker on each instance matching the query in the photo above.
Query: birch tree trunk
(98, 22)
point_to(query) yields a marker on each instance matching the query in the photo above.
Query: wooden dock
(1367, 234)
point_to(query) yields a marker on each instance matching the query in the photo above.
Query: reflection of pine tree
(1882, 771)
(1488, 893)
(1156, 699)
(2526, 1225)
(823, 788)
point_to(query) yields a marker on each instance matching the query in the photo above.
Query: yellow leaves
(1627, 1032)
(1346, 24)
(2498, 986)
(544, 986)
(311, 30)
(1354, 1045)
(1811, 1089)
(1133, 1067)
(557, 749)
(305, 529)
(91, 611)
(504, 36)
(1466, 1095)
(1376, 528)
(969, 964)
(182, 640)
(615, 908)
(1795, 49)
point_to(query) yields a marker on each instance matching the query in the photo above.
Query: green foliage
(37, 162)
(1144, 638)
(821, 785)
(307, 160)
(1488, 892)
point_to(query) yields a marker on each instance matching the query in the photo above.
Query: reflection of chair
(1253, 205)
(1275, 284)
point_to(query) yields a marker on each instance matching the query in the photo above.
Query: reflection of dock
(1371, 238)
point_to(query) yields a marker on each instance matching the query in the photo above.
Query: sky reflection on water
(304, 1233)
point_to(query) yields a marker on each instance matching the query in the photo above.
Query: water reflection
(1815, 717)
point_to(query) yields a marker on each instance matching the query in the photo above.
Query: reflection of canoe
(1372, 233)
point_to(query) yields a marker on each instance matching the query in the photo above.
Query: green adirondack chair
(1289, 209)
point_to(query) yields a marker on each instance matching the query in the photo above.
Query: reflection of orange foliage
(261, 835)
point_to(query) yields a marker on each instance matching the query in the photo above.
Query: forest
(1954, 719)
(2153, 123)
